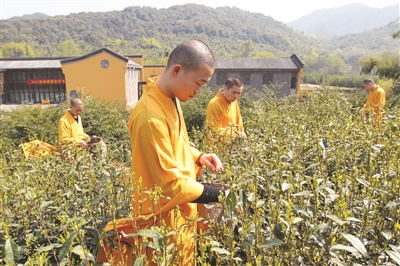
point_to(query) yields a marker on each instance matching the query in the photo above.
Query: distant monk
(223, 117)
(376, 100)
(70, 128)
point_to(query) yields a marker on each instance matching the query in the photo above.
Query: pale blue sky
(280, 10)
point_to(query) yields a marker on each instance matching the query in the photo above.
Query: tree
(150, 43)
(13, 49)
(69, 47)
(311, 58)
(335, 65)
(385, 65)
(264, 54)
(246, 49)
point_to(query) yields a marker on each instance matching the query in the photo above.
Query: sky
(280, 10)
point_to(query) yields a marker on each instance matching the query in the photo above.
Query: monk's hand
(82, 144)
(211, 161)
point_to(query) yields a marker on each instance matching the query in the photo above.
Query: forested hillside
(230, 32)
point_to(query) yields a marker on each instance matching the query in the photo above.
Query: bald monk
(70, 129)
(163, 158)
(376, 100)
(223, 117)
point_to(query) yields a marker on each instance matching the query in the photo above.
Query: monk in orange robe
(223, 117)
(376, 100)
(163, 158)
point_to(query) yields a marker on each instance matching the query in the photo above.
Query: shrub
(318, 184)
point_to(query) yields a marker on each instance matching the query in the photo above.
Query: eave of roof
(102, 50)
(30, 64)
(283, 63)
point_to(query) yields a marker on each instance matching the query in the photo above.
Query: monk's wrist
(198, 163)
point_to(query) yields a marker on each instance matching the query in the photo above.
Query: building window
(221, 78)
(293, 82)
(23, 86)
(268, 78)
(245, 77)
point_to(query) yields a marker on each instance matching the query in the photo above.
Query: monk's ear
(176, 69)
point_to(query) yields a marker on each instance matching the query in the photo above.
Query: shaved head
(76, 102)
(76, 106)
(191, 55)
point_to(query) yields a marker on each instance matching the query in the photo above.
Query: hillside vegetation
(318, 184)
(230, 32)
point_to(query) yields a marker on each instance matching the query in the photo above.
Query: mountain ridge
(229, 31)
(347, 19)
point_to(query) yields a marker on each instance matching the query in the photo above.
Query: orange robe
(223, 118)
(161, 157)
(37, 148)
(69, 131)
(376, 101)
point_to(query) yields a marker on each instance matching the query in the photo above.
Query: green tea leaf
(352, 219)
(77, 187)
(394, 256)
(343, 247)
(337, 262)
(363, 182)
(221, 251)
(356, 243)
(393, 203)
(45, 249)
(324, 186)
(79, 250)
(67, 246)
(11, 252)
(300, 210)
(45, 204)
(322, 228)
(272, 242)
(386, 235)
(285, 186)
(149, 233)
(336, 219)
(362, 157)
(303, 193)
(139, 262)
(231, 202)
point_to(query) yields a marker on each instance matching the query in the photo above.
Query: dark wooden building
(32, 80)
(283, 73)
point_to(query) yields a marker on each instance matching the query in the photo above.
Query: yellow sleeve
(214, 120)
(165, 169)
(379, 101)
(64, 133)
(376, 101)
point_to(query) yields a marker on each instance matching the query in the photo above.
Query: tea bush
(319, 185)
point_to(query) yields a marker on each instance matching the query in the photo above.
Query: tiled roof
(30, 63)
(56, 62)
(283, 63)
(106, 50)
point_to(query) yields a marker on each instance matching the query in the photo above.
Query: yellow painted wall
(151, 71)
(101, 83)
